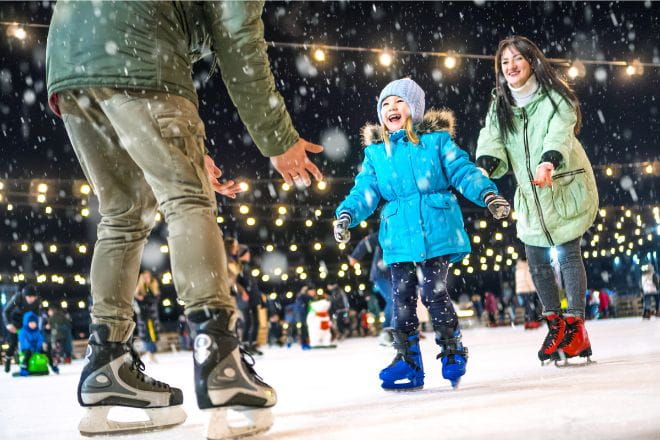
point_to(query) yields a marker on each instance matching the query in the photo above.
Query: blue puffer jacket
(421, 219)
(29, 339)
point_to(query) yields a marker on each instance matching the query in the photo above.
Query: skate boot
(7, 364)
(556, 331)
(453, 354)
(406, 371)
(645, 315)
(113, 376)
(575, 342)
(225, 379)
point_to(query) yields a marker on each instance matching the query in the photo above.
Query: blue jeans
(384, 288)
(572, 272)
(435, 297)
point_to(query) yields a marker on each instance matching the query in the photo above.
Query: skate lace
(248, 362)
(571, 331)
(552, 335)
(138, 367)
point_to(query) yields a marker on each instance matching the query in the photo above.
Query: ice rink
(335, 394)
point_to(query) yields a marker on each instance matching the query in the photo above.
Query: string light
(385, 59)
(319, 55)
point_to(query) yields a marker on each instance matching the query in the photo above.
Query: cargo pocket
(570, 196)
(184, 134)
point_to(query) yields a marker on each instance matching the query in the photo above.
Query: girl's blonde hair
(410, 132)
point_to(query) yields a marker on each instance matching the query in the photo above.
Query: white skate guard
(97, 422)
(237, 422)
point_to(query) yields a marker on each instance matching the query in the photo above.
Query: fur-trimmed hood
(434, 120)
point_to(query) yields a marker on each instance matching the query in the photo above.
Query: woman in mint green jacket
(531, 129)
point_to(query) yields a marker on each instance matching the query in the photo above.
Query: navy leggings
(431, 276)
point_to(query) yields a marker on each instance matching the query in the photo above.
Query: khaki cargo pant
(141, 152)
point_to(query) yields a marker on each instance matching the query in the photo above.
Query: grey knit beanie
(409, 91)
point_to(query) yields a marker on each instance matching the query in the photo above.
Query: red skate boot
(556, 331)
(576, 341)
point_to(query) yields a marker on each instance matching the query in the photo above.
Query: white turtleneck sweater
(523, 94)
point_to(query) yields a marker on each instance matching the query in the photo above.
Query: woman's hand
(543, 175)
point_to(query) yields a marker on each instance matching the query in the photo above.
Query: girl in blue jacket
(410, 162)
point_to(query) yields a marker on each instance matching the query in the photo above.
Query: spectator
(649, 291)
(147, 295)
(27, 300)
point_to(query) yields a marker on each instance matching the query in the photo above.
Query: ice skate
(453, 354)
(406, 371)
(225, 382)
(556, 331)
(7, 364)
(113, 377)
(575, 344)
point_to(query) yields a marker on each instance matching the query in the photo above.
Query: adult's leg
(575, 277)
(126, 204)
(164, 136)
(543, 277)
(384, 288)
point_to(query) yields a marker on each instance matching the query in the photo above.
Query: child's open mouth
(394, 118)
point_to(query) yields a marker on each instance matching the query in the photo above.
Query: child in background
(411, 162)
(31, 342)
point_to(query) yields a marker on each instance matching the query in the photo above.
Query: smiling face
(395, 112)
(515, 68)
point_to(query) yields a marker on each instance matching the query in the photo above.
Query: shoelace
(571, 331)
(248, 361)
(138, 366)
(552, 335)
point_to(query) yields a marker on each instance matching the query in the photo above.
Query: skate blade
(245, 422)
(567, 364)
(96, 421)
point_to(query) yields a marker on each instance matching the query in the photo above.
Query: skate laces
(248, 362)
(138, 367)
(571, 331)
(553, 332)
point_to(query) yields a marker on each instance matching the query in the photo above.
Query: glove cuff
(345, 215)
(488, 197)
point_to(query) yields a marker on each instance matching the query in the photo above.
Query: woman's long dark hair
(546, 76)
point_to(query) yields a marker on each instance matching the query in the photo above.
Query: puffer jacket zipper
(531, 178)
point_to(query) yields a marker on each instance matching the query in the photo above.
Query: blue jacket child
(30, 337)
(410, 163)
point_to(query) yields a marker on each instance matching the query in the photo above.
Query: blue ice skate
(453, 355)
(406, 371)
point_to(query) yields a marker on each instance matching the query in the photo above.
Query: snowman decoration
(319, 324)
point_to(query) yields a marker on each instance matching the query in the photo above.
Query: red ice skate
(556, 331)
(576, 340)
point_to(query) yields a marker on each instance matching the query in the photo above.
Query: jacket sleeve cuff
(488, 163)
(554, 157)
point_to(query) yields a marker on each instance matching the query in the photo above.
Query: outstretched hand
(228, 188)
(294, 165)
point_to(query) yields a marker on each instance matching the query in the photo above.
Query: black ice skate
(225, 379)
(113, 376)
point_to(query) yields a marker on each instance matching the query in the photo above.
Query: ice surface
(335, 394)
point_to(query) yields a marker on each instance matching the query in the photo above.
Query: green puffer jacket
(545, 216)
(152, 45)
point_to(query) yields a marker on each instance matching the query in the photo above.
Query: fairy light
(319, 55)
(385, 59)
(450, 62)
(282, 210)
(244, 186)
(244, 209)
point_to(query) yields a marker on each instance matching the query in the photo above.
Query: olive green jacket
(545, 216)
(153, 45)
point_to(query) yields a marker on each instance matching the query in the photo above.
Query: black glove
(342, 234)
(497, 205)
